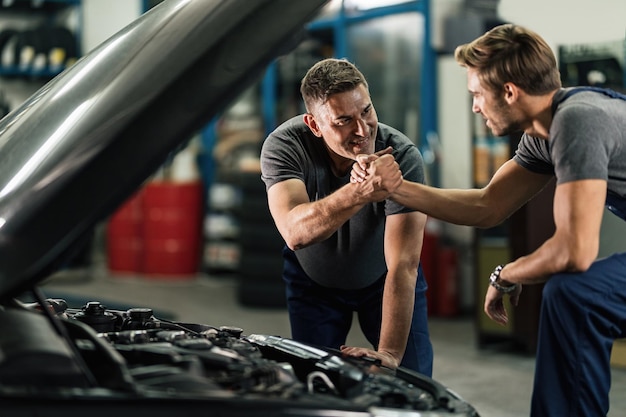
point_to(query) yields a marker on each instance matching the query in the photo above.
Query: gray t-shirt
(353, 256)
(587, 141)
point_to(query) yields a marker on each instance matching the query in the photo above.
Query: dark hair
(511, 53)
(327, 77)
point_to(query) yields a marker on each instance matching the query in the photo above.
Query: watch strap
(493, 281)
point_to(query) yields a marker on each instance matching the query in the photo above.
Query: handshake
(377, 175)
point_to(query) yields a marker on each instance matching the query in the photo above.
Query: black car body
(71, 154)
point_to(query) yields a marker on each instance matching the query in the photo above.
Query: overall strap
(605, 91)
(616, 205)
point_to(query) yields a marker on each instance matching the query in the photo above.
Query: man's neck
(539, 112)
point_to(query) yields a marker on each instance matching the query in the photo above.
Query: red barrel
(172, 228)
(124, 239)
(447, 296)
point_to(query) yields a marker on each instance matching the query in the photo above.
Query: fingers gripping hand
(363, 161)
(382, 177)
(385, 171)
(359, 168)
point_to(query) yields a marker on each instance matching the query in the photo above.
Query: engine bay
(93, 351)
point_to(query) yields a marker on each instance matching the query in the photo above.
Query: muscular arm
(404, 235)
(578, 209)
(302, 222)
(510, 188)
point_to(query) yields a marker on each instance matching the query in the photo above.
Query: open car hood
(82, 144)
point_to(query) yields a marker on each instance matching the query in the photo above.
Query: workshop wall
(559, 21)
(101, 19)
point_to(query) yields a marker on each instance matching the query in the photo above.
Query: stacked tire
(48, 49)
(260, 281)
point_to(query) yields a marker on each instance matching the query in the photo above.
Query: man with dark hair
(577, 135)
(348, 248)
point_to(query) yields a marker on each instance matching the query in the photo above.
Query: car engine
(96, 352)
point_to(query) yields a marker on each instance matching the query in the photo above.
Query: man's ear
(511, 92)
(309, 120)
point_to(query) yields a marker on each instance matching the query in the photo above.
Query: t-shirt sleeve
(281, 158)
(575, 147)
(534, 155)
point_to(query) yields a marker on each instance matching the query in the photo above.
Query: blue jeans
(323, 316)
(581, 315)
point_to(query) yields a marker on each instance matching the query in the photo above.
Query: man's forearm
(463, 207)
(316, 221)
(398, 302)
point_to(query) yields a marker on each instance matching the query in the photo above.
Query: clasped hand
(379, 172)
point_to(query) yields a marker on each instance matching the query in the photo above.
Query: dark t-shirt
(353, 257)
(587, 141)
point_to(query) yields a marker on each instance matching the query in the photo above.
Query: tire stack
(260, 267)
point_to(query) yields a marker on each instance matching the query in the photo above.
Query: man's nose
(475, 107)
(360, 127)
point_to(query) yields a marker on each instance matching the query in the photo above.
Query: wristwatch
(495, 277)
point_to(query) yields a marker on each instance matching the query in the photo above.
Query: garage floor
(497, 384)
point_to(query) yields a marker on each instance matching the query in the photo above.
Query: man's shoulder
(292, 126)
(391, 136)
(290, 131)
(390, 130)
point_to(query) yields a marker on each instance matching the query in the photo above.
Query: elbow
(294, 246)
(487, 223)
(490, 211)
(581, 257)
(406, 270)
(489, 219)
(580, 263)
(581, 266)
(298, 238)
(294, 242)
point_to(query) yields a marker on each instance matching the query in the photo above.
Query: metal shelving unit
(43, 12)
